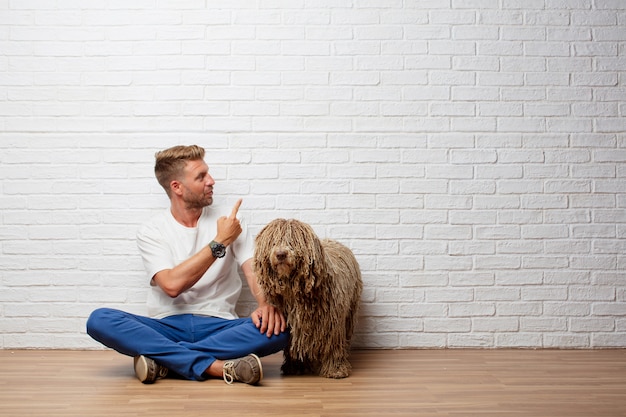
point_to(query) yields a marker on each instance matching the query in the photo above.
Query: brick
(519, 340)
(565, 341)
(608, 340)
(447, 325)
(544, 294)
(497, 294)
(471, 340)
(570, 309)
(449, 295)
(474, 309)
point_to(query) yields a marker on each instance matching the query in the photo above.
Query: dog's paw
(295, 368)
(338, 372)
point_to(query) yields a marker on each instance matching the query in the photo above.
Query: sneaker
(147, 370)
(247, 370)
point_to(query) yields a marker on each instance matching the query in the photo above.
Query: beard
(197, 201)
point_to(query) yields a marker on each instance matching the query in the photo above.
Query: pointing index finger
(233, 214)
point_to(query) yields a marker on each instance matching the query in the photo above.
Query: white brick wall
(471, 152)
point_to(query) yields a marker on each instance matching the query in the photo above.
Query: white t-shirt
(165, 243)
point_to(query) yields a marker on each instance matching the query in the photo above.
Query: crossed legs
(195, 347)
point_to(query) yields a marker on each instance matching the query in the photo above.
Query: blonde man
(191, 253)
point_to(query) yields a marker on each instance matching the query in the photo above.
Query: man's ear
(175, 187)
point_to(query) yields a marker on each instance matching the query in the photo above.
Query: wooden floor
(481, 383)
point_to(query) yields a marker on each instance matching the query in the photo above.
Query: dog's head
(288, 258)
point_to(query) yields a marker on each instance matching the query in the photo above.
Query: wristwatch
(217, 249)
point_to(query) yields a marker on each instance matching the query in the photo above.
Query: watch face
(218, 249)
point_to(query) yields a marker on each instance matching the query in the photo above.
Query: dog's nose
(281, 255)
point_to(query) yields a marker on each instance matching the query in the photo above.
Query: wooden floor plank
(455, 383)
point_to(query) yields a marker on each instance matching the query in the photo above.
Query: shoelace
(229, 372)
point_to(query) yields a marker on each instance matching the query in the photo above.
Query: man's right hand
(229, 228)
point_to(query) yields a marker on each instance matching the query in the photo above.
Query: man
(191, 255)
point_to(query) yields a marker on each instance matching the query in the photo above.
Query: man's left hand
(269, 320)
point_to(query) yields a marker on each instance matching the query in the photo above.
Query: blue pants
(186, 344)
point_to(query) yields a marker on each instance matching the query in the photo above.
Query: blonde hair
(171, 162)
